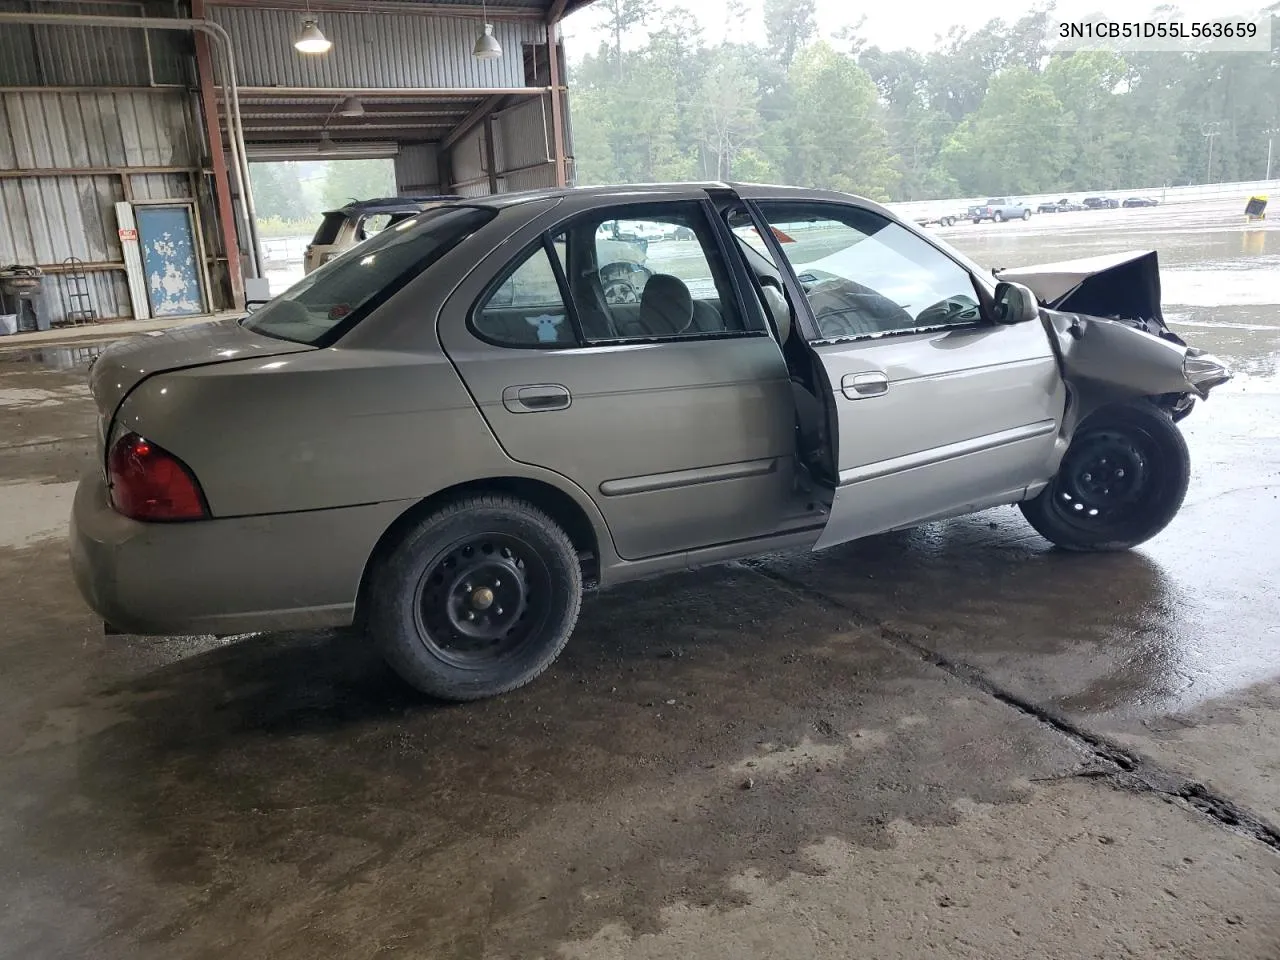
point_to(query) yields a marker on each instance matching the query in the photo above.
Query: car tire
(477, 599)
(1122, 481)
(1026, 214)
(999, 217)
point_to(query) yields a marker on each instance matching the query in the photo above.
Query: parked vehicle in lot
(395, 444)
(342, 229)
(1059, 206)
(1101, 203)
(999, 209)
(1140, 202)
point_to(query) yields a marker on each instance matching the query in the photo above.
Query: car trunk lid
(123, 365)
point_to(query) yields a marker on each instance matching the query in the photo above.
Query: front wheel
(1122, 481)
(1026, 214)
(999, 217)
(476, 600)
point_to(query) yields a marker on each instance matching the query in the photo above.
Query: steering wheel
(618, 281)
(948, 311)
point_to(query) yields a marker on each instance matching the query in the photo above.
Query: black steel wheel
(478, 599)
(1122, 481)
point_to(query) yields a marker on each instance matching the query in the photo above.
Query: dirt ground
(955, 742)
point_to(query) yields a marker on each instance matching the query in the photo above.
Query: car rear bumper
(224, 576)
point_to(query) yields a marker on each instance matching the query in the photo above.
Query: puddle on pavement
(66, 357)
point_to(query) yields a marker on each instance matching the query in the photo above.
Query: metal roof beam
(391, 93)
(470, 120)
(455, 10)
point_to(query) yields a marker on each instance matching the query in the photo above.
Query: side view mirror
(253, 306)
(1015, 303)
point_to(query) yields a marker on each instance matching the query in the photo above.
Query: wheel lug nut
(1088, 477)
(497, 584)
(466, 587)
(498, 611)
(470, 615)
(1119, 474)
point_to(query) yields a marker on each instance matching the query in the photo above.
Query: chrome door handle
(536, 398)
(861, 386)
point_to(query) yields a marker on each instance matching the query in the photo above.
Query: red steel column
(557, 103)
(221, 182)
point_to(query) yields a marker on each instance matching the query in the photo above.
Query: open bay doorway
(292, 198)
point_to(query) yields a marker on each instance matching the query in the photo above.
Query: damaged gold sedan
(442, 435)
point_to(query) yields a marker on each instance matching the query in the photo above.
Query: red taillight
(148, 483)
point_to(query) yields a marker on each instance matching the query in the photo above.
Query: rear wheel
(477, 600)
(1026, 214)
(999, 217)
(1122, 481)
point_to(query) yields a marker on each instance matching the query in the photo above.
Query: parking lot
(950, 742)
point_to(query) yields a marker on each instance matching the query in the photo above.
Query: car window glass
(338, 294)
(865, 275)
(527, 308)
(656, 275)
(372, 225)
(328, 230)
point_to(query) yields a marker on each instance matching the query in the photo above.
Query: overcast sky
(900, 23)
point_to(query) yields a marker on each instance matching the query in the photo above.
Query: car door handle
(861, 386)
(536, 398)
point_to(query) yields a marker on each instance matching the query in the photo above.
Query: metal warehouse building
(126, 129)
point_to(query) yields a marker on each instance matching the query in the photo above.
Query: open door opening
(816, 427)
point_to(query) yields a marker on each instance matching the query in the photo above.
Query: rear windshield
(329, 228)
(330, 300)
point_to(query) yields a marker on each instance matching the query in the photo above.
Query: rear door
(939, 410)
(658, 391)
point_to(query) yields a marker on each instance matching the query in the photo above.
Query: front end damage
(1104, 316)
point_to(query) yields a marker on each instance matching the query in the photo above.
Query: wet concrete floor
(953, 742)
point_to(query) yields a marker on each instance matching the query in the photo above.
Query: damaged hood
(1114, 286)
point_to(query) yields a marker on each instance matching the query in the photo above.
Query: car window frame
(544, 242)
(754, 321)
(808, 320)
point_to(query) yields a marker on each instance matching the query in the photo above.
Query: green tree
(277, 191)
(790, 24)
(620, 16)
(347, 180)
(835, 133)
(729, 121)
(1019, 140)
(1087, 84)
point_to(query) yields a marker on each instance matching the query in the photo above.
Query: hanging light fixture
(311, 40)
(351, 107)
(487, 45)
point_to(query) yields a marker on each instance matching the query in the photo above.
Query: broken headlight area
(1204, 371)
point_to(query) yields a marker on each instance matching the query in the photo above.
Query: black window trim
(812, 334)
(581, 340)
(541, 242)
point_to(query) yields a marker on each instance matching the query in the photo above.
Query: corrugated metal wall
(524, 134)
(91, 56)
(75, 130)
(418, 169)
(470, 175)
(49, 215)
(372, 50)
